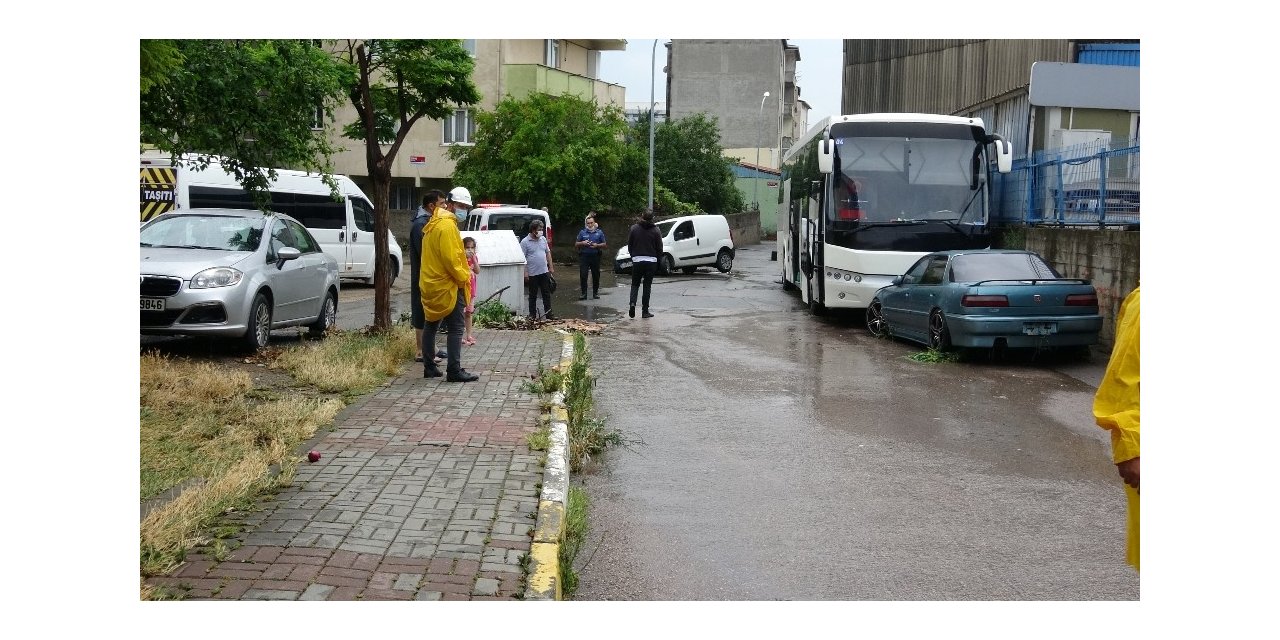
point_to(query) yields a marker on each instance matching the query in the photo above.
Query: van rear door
(360, 239)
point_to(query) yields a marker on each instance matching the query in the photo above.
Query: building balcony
(524, 79)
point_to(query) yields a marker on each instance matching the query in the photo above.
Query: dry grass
(351, 362)
(207, 423)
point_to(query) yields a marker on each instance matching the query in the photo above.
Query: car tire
(666, 265)
(258, 332)
(724, 261)
(328, 317)
(939, 334)
(395, 272)
(875, 320)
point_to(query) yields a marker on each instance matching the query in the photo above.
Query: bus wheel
(939, 334)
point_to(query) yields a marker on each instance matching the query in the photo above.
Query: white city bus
(867, 195)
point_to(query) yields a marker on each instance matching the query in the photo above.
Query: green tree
(561, 152)
(397, 83)
(251, 102)
(689, 162)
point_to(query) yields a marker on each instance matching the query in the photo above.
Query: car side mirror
(897, 280)
(285, 254)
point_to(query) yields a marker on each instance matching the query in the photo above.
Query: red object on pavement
(313, 455)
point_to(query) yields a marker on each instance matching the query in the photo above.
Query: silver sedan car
(234, 273)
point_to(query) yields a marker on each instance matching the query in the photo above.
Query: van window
(685, 230)
(219, 198)
(319, 212)
(364, 214)
(473, 222)
(516, 222)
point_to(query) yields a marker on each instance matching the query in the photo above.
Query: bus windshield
(895, 182)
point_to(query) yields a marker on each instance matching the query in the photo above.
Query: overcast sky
(818, 72)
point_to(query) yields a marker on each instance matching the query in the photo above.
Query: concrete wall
(1110, 258)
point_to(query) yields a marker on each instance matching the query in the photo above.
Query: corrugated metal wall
(939, 76)
(1120, 54)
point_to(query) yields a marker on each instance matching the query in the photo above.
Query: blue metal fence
(1087, 184)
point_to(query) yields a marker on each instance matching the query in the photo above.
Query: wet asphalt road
(782, 456)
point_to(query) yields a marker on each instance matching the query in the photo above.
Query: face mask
(461, 215)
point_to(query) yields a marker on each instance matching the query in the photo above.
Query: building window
(402, 198)
(470, 46)
(317, 117)
(460, 128)
(553, 54)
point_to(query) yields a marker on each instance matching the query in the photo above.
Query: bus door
(811, 247)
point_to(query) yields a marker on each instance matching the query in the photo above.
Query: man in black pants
(645, 245)
(590, 245)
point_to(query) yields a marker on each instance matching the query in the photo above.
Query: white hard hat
(460, 194)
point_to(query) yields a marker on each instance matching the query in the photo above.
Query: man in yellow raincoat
(444, 283)
(1115, 407)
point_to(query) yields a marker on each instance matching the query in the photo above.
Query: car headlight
(216, 277)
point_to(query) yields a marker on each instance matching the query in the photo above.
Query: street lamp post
(756, 182)
(653, 55)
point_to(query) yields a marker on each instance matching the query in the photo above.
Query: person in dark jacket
(420, 218)
(645, 245)
(590, 244)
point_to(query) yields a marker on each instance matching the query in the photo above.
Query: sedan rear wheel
(875, 320)
(258, 333)
(328, 317)
(939, 334)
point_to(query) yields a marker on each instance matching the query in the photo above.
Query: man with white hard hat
(445, 285)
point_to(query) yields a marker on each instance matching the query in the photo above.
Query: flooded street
(781, 456)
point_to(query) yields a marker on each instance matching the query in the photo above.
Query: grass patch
(588, 434)
(493, 315)
(546, 382)
(575, 533)
(933, 355)
(540, 440)
(206, 428)
(350, 362)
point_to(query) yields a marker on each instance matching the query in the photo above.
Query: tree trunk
(382, 270)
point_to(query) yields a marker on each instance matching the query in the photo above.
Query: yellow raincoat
(1115, 407)
(444, 266)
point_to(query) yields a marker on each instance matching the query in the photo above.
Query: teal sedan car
(988, 298)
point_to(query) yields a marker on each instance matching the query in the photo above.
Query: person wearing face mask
(538, 270)
(590, 245)
(420, 218)
(445, 285)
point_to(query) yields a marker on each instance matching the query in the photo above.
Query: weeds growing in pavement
(588, 434)
(540, 440)
(493, 315)
(933, 355)
(575, 533)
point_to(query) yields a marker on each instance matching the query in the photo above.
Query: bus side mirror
(825, 153)
(1004, 153)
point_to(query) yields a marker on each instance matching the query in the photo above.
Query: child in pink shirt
(469, 244)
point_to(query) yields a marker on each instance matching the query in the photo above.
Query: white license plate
(625, 264)
(1039, 328)
(153, 304)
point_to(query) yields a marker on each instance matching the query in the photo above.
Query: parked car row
(989, 298)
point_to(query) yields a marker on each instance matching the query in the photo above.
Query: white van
(689, 242)
(512, 217)
(343, 229)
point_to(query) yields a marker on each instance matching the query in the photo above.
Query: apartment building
(503, 68)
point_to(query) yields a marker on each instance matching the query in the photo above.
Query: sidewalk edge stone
(544, 571)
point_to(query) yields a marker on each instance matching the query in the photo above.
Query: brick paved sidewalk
(426, 490)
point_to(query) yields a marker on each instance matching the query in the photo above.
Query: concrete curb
(544, 571)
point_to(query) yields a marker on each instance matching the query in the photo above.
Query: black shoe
(461, 376)
(551, 316)
(442, 354)
(584, 297)
(631, 311)
(646, 314)
(596, 296)
(431, 372)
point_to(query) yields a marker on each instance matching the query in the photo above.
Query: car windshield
(1000, 266)
(224, 233)
(665, 227)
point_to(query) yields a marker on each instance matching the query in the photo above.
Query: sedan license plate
(153, 304)
(1039, 328)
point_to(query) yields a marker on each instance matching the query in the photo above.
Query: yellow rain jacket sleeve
(444, 266)
(1115, 407)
